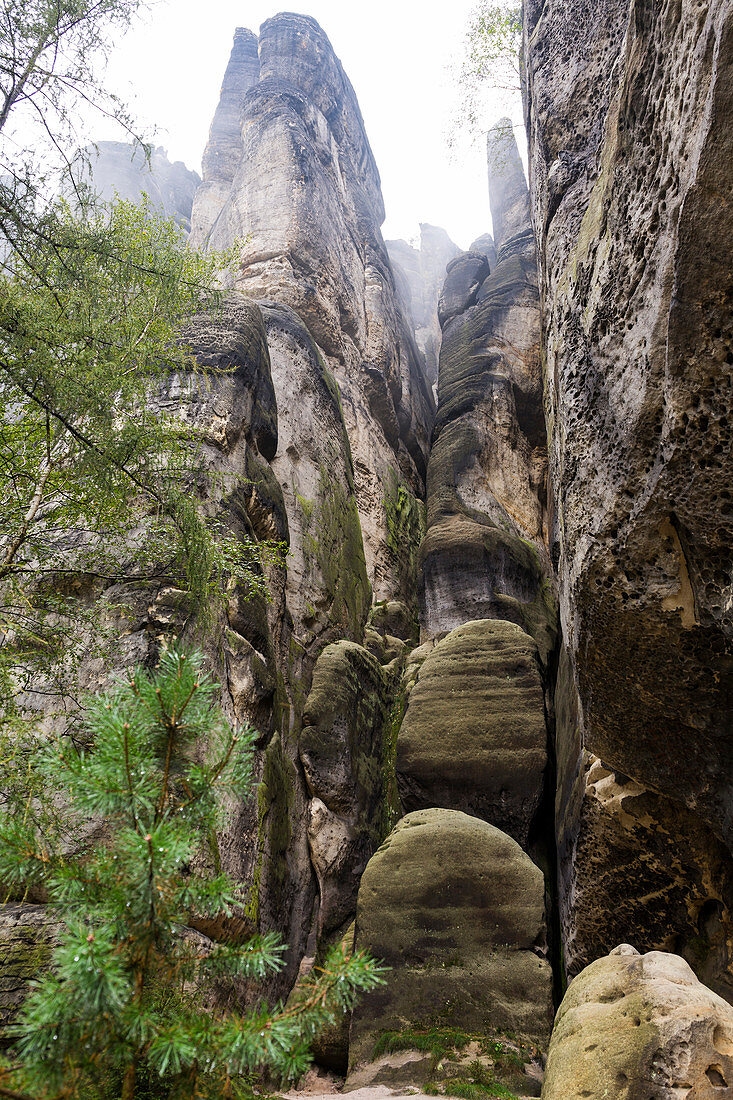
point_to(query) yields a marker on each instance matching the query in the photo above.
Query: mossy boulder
(343, 745)
(456, 909)
(474, 736)
(640, 1027)
(393, 617)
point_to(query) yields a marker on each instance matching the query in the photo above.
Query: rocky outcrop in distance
(117, 169)
(420, 273)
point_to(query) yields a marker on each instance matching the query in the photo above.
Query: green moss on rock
(333, 542)
(344, 744)
(26, 943)
(446, 888)
(474, 736)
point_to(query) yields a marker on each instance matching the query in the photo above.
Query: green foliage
(89, 325)
(488, 72)
(121, 1012)
(52, 53)
(101, 486)
(333, 542)
(406, 527)
(468, 1088)
(475, 1080)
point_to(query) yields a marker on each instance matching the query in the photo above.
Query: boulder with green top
(474, 736)
(640, 1027)
(457, 910)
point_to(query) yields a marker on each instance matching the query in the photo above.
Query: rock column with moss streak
(305, 199)
(484, 555)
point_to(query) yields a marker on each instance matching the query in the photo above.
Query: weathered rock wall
(289, 172)
(305, 198)
(485, 553)
(628, 108)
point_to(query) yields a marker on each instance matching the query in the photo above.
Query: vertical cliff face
(305, 195)
(628, 113)
(289, 173)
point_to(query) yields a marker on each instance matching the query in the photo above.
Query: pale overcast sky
(397, 54)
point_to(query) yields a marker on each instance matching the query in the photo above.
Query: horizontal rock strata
(474, 736)
(456, 908)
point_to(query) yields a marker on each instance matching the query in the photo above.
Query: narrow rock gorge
(492, 686)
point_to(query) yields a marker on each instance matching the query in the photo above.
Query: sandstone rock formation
(420, 273)
(628, 111)
(224, 149)
(474, 736)
(305, 193)
(342, 748)
(638, 1027)
(410, 659)
(628, 117)
(456, 908)
(116, 169)
(327, 590)
(484, 555)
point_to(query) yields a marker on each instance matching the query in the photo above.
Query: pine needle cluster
(121, 1012)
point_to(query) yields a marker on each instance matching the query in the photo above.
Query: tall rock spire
(224, 148)
(305, 198)
(508, 192)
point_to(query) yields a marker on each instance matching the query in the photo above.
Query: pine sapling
(120, 1014)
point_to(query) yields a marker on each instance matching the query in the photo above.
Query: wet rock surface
(626, 186)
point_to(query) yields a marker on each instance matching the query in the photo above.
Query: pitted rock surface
(630, 146)
(640, 1027)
